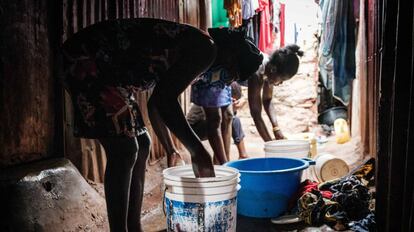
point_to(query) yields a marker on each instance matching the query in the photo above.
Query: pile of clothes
(343, 204)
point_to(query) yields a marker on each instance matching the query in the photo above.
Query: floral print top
(106, 63)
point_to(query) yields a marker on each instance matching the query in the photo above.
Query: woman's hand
(238, 103)
(202, 164)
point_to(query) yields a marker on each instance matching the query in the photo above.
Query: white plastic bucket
(328, 167)
(287, 148)
(201, 204)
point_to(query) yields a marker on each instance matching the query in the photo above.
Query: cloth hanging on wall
(234, 12)
(276, 15)
(329, 20)
(344, 52)
(282, 25)
(249, 8)
(337, 48)
(251, 19)
(256, 28)
(266, 36)
(219, 14)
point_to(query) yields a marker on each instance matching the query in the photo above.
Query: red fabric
(309, 185)
(266, 37)
(282, 25)
(306, 187)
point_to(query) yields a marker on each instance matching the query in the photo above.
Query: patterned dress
(212, 89)
(106, 63)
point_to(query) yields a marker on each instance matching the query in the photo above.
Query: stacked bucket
(201, 204)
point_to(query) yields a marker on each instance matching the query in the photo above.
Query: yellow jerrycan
(341, 131)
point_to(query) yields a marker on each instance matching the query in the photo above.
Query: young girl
(280, 66)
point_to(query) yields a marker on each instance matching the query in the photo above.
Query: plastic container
(267, 184)
(342, 134)
(287, 148)
(201, 204)
(328, 167)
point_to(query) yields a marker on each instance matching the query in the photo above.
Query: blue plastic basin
(267, 184)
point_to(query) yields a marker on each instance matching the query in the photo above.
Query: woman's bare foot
(244, 156)
(175, 159)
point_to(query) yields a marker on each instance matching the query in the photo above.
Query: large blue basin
(267, 184)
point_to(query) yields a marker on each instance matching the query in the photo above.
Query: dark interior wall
(26, 82)
(395, 159)
(33, 122)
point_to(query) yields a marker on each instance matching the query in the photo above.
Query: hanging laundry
(219, 14)
(249, 8)
(248, 25)
(266, 37)
(344, 52)
(337, 47)
(282, 24)
(249, 12)
(234, 12)
(256, 28)
(329, 10)
(275, 17)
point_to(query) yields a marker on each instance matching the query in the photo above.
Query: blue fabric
(211, 90)
(329, 9)
(248, 10)
(237, 130)
(337, 49)
(344, 52)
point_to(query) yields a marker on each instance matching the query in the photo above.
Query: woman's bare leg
(137, 184)
(226, 122)
(121, 155)
(242, 150)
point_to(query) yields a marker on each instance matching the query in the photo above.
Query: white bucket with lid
(287, 148)
(201, 204)
(328, 167)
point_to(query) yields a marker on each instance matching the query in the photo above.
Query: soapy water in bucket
(201, 204)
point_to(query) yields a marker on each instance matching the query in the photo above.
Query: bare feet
(244, 156)
(175, 159)
(242, 150)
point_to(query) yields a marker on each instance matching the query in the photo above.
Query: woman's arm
(166, 111)
(270, 109)
(255, 85)
(173, 156)
(197, 54)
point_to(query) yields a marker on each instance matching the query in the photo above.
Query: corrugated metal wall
(86, 154)
(395, 172)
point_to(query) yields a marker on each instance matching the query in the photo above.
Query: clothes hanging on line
(266, 36)
(337, 48)
(234, 12)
